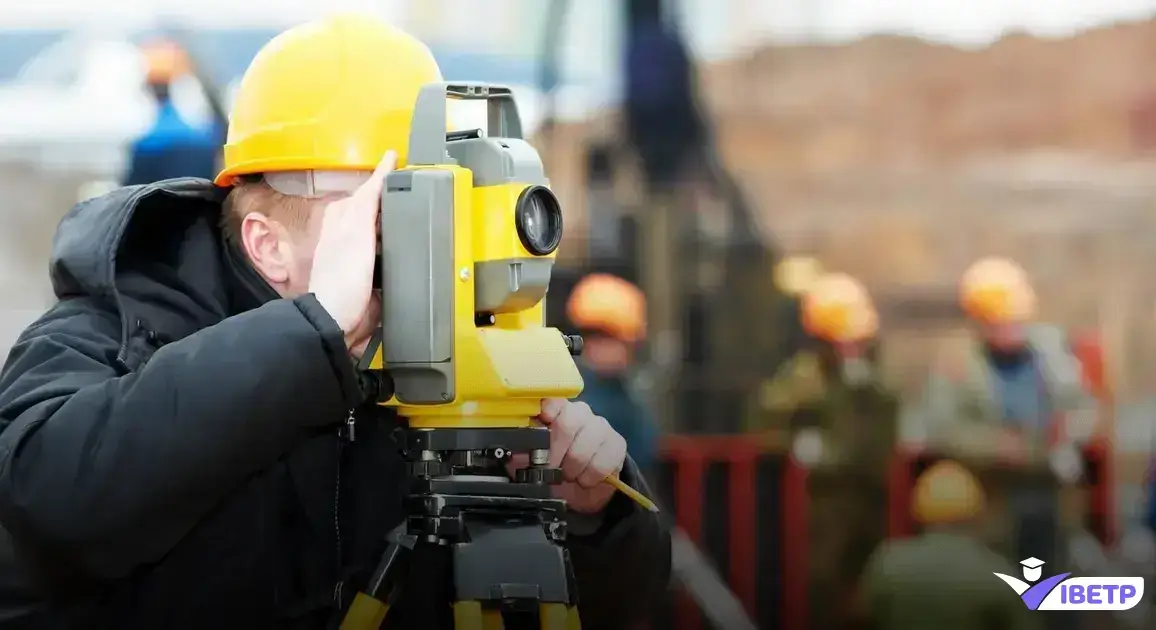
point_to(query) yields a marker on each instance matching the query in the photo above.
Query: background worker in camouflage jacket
(1015, 396)
(830, 402)
(942, 579)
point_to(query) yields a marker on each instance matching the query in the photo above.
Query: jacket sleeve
(1061, 366)
(1063, 370)
(105, 470)
(952, 420)
(796, 385)
(624, 568)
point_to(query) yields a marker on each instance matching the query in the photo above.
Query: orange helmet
(997, 291)
(946, 493)
(165, 61)
(610, 305)
(836, 308)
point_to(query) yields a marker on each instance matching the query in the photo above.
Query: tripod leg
(468, 615)
(365, 613)
(573, 621)
(369, 608)
(557, 617)
(492, 620)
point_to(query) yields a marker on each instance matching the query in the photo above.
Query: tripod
(504, 539)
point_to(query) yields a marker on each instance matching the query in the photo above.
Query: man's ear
(260, 237)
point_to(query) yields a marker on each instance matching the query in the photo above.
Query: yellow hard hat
(610, 305)
(997, 291)
(947, 493)
(331, 95)
(793, 276)
(837, 308)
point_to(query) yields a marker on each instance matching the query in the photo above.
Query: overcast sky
(591, 46)
(715, 23)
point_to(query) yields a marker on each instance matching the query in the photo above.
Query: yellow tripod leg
(573, 621)
(468, 615)
(492, 620)
(365, 613)
(557, 617)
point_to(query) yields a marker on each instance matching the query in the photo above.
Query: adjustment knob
(540, 476)
(574, 344)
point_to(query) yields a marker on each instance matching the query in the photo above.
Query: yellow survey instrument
(469, 231)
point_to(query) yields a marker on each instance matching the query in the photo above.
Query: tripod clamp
(504, 539)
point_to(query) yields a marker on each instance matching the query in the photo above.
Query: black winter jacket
(172, 459)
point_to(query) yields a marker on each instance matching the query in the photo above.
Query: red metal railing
(747, 519)
(749, 522)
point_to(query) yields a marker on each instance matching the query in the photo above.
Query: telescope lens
(536, 221)
(538, 217)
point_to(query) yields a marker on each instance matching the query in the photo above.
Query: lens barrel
(538, 219)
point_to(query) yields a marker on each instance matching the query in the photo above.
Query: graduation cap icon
(1032, 570)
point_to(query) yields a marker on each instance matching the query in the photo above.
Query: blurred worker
(611, 315)
(187, 442)
(1020, 382)
(822, 395)
(173, 147)
(664, 123)
(942, 578)
(1017, 394)
(831, 403)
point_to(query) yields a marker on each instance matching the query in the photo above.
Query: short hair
(256, 195)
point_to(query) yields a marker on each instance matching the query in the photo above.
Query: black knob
(574, 344)
(539, 476)
(377, 386)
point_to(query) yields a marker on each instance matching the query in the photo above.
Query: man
(831, 401)
(173, 147)
(1017, 395)
(1019, 378)
(611, 314)
(180, 448)
(942, 578)
(823, 395)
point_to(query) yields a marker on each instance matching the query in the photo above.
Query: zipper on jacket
(347, 431)
(345, 435)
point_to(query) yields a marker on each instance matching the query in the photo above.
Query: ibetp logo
(1061, 592)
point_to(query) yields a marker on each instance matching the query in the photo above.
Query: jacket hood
(150, 254)
(89, 239)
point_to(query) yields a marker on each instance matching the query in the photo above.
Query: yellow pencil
(634, 495)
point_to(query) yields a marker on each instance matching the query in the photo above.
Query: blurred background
(717, 154)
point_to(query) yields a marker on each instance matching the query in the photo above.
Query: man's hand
(587, 450)
(342, 276)
(1011, 446)
(1067, 462)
